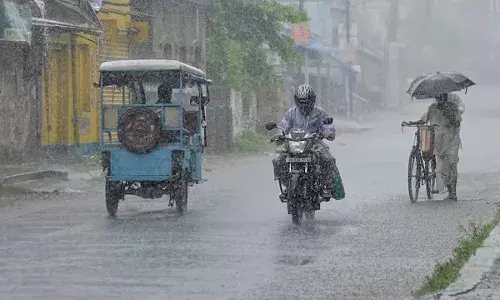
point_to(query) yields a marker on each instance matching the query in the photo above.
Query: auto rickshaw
(153, 129)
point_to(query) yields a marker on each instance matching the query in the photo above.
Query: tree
(236, 34)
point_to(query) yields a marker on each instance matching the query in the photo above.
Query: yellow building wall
(61, 83)
(116, 10)
(116, 19)
(57, 93)
(60, 80)
(87, 72)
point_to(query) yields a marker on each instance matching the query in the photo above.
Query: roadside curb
(34, 175)
(474, 270)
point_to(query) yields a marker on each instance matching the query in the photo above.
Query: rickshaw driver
(164, 94)
(447, 115)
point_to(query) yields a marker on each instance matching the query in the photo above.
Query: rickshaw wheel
(112, 199)
(180, 194)
(139, 130)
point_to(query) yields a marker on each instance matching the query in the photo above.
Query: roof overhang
(68, 15)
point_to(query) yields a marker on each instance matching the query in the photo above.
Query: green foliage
(252, 142)
(235, 39)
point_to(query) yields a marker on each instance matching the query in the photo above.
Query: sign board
(15, 21)
(301, 34)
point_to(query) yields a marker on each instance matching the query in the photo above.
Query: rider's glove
(278, 139)
(330, 136)
(320, 135)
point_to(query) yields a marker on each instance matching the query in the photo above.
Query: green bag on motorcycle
(338, 191)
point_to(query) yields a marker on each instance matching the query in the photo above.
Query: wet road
(237, 242)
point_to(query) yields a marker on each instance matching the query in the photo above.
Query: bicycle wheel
(433, 174)
(414, 175)
(428, 179)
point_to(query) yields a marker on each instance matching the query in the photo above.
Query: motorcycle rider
(446, 113)
(306, 116)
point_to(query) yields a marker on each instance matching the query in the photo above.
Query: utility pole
(299, 67)
(393, 25)
(348, 21)
(349, 81)
(391, 86)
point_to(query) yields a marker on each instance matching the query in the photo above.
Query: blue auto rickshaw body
(152, 145)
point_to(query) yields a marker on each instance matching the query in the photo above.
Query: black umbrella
(433, 84)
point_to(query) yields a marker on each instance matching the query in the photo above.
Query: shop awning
(317, 48)
(15, 21)
(74, 15)
(327, 55)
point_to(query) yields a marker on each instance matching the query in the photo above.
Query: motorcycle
(303, 181)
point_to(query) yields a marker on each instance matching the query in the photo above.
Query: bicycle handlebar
(418, 125)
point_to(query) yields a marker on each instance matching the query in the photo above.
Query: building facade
(71, 32)
(19, 83)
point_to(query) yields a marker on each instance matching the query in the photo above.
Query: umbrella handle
(466, 89)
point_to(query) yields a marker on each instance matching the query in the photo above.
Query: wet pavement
(237, 241)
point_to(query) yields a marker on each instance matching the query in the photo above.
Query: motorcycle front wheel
(297, 215)
(296, 207)
(310, 215)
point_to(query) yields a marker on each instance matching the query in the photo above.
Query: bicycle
(423, 160)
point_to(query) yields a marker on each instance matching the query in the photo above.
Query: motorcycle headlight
(297, 147)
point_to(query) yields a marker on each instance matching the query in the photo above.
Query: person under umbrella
(446, 113)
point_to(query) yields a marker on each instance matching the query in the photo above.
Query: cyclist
(446, 113)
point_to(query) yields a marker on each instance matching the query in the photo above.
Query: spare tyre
(139, 130)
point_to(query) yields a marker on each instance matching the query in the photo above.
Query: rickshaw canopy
(110, 70)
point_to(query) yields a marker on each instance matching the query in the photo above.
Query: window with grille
(183, 54)
(167, 51)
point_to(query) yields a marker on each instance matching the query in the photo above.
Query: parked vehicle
(154, 133)
(304, 183)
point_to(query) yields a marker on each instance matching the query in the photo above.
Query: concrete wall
(219, 119)
(19, 138)
(231, 114)
(271, 103)
(179, 31)
(244, 112)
